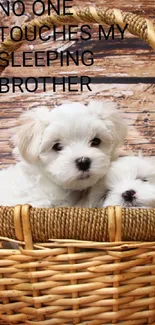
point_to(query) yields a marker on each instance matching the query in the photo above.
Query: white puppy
(130, 182)
(62, 152)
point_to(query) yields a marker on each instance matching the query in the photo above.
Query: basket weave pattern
(66, 281)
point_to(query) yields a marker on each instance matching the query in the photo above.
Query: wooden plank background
(115, 58)
(112, 57)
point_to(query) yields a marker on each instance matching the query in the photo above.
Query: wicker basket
(79, 266)
(91, 278)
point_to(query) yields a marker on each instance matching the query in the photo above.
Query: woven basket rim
(116, 225)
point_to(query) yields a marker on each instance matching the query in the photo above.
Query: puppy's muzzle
(83, 163)
(129, 195)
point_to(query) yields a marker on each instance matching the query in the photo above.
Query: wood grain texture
(112, 57)
(130, 57)
(135, 101)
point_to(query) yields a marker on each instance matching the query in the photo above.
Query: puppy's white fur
(125, 174)
(45, 177)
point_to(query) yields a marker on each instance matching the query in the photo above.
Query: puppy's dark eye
(142, 179)
(57, 146)
(95, 142)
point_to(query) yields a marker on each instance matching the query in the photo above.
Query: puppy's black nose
(83, 163)
(129, 195)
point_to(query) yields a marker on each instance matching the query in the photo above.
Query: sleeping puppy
(62, 152)
(130, 182)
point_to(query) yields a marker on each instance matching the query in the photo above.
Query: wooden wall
(115, 59)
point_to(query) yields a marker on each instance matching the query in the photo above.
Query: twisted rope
(73, 223)
(78, 224)
(137, 25)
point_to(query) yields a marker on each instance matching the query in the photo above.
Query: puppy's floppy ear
(108, 112)
(28, 134)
